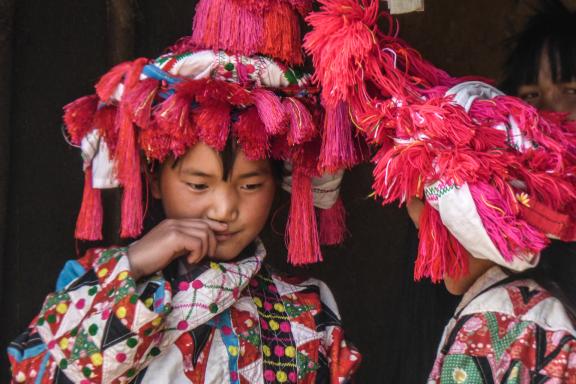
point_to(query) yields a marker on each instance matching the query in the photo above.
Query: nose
(549, 101)
(224, 206)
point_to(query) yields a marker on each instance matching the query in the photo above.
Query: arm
(104, 319)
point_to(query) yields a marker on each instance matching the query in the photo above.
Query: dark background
(52, 52)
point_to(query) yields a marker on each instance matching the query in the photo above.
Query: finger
(199, 239)
(193, 225)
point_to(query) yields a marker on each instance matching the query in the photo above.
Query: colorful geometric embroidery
(279, 349)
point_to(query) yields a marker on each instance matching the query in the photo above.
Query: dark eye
(251, 187)
(197, 187)
(529, 96)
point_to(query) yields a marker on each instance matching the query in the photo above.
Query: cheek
(256, 207)
(179, 203)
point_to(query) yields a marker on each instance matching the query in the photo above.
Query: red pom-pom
(252, 135)
(213, 123)
(79, 117)
(139, 101)
(271, 111)
(108, 83)
(302, 127)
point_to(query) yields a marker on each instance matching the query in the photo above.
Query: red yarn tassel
(139, 101)
(302, 127)
(302, 230)
(439, 254)
(338, 148)
(108, 83)
(79, 117)
(252, 135)
(333, 224)
(271, 111)
(213, 122)
(105, 122)
(282, 39)
(89, 222)
(128, 164)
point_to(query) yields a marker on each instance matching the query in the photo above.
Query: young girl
(191, 301)
(497, 178)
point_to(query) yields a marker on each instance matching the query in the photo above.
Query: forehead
(202, 158)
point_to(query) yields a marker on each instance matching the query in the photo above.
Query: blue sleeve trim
(28, 353)
(71, 271)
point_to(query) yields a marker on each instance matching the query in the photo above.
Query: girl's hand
(170, 239)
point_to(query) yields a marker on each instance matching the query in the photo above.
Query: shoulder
(523, 301)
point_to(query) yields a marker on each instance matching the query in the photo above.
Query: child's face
(195, 188)
(548, 94)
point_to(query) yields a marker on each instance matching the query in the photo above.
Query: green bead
(51, 318)
(154, 351)
(92, 291)
(41, 321)
(134, 299)
(74, 332)
(86, 372)
(132, 342)
(93, 330)
(229, 67)
(131, 372)
(63, 364)
(213, 308)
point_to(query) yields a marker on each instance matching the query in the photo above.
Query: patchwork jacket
(507, 331)
(235, 322)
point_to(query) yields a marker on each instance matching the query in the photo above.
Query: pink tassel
(89, 222)
(213, 122)
(174, 119)
(511, 235)
(281, 37)
(341, 39)
(139, 101)
(79, 117)
(128, 164)
(338, 149)
(227, 25)
(252, 135)
(271, 111)
(302, 127)
(439, 254)
(333, 224)
(302, 230)
(108, 84)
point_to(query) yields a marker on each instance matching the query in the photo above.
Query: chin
(456, 287)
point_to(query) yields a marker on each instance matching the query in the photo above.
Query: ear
(155, 184)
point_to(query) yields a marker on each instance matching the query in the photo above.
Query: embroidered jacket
(222, 323)
(514, 332)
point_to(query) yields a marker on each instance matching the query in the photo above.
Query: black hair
(550, 30)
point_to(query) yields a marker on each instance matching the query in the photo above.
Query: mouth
(224, 236)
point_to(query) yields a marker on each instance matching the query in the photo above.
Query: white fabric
(405, 6)
(325, 188)
(467, 92)
(95, 152)
(458, 213)
(548, 314)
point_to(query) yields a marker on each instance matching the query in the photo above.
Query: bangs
(551, 31)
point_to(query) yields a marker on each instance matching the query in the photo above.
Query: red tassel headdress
(236, 76)
(461, 145)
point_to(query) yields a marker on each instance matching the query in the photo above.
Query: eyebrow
(195, 172)
(260, 172)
